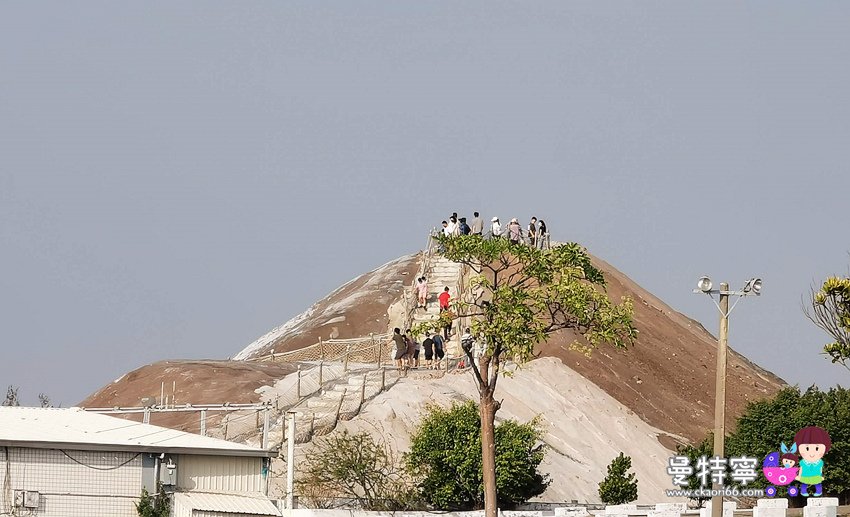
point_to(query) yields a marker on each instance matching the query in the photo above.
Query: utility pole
(751, 288)
(720, 391)
(290, 460)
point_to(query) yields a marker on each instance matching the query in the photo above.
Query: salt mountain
(642, 400)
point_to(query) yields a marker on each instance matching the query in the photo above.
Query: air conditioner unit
(31, 499)
(26, 499)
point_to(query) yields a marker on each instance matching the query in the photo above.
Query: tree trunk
(487, 410)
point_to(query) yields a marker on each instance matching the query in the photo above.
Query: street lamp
(751, 287)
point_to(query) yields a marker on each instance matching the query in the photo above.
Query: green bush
(694, 452)
(153, 506)
(446, 454)
(767, 423)
(619, 486)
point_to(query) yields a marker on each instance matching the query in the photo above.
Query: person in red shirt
(444, 306)
(444, 300)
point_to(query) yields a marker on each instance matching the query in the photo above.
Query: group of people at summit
(536, 234)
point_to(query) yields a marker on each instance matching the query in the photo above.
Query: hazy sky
(178, 178)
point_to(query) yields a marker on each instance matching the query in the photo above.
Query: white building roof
(224, 503)
(74, 428)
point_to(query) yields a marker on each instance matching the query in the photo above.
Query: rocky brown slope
(666, 378)
(189, 381)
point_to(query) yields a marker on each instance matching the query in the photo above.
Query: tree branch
(475, 371)
(494, 374)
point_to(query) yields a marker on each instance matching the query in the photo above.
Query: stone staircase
(339, 399)
(442, 273)
(343, 395)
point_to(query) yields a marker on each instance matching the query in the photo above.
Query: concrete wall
(816, 507)
(220, 474)
(72, 483)
(85, 483)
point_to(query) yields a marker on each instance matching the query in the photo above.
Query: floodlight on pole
(704, 284)
(753, 286)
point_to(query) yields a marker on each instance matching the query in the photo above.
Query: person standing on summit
(477, 224)
(495, 228)
(532, 232)
(542, 234)
(452, 227)
(515, 231)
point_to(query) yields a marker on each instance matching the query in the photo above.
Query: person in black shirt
(542, 234)
(532, 232)
(438, 349)
(428, 345)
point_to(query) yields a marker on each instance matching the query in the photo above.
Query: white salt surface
(585, 427)
(378, 280)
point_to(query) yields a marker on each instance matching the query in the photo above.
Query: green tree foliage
(525, 295)
(693, 453)
(153, 506)
(355, 468)
(446, 454)
(767, 423)
(830, 310)
(620, 485)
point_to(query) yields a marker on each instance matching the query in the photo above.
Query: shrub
(619, 486)
(153, 506)
(355, 468)
(446, 454)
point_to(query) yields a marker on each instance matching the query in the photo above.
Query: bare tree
(830, 310)
(44, 400)
(356, 469)
(11, 396)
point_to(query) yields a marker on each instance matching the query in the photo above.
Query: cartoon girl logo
(812, 443)
(780, 470)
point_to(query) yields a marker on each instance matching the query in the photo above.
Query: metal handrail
(319, 351)
(424, 268)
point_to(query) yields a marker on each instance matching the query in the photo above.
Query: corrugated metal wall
(72, 483)
(220, 474)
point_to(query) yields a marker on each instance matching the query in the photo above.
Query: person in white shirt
(467, 343)
(495, 228)
(452, 228)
